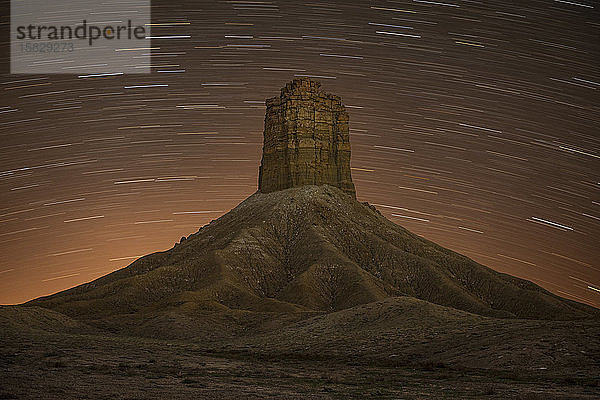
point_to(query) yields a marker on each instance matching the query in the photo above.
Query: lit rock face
(306, 140)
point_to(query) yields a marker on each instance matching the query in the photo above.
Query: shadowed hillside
(296, 252)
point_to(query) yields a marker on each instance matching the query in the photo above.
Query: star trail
(473, 123)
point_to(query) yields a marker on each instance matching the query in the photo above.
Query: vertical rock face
(306, 140)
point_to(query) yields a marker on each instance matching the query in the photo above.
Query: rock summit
(306, 140)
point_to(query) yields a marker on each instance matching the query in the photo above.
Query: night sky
(475, 124)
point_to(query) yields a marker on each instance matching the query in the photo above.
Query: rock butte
(304, 277)
(306, 140)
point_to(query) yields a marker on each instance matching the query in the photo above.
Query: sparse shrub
(51, 353)
(531, 396)
(57, 364)
(569, 380)
(489, 390)
(430, 365)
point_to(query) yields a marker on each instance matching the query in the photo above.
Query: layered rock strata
(306, 140)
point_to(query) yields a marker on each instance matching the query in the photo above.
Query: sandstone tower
(306, 140)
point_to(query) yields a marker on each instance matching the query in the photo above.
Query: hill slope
(295, 253)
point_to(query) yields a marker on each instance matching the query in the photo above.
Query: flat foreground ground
(62, 366)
